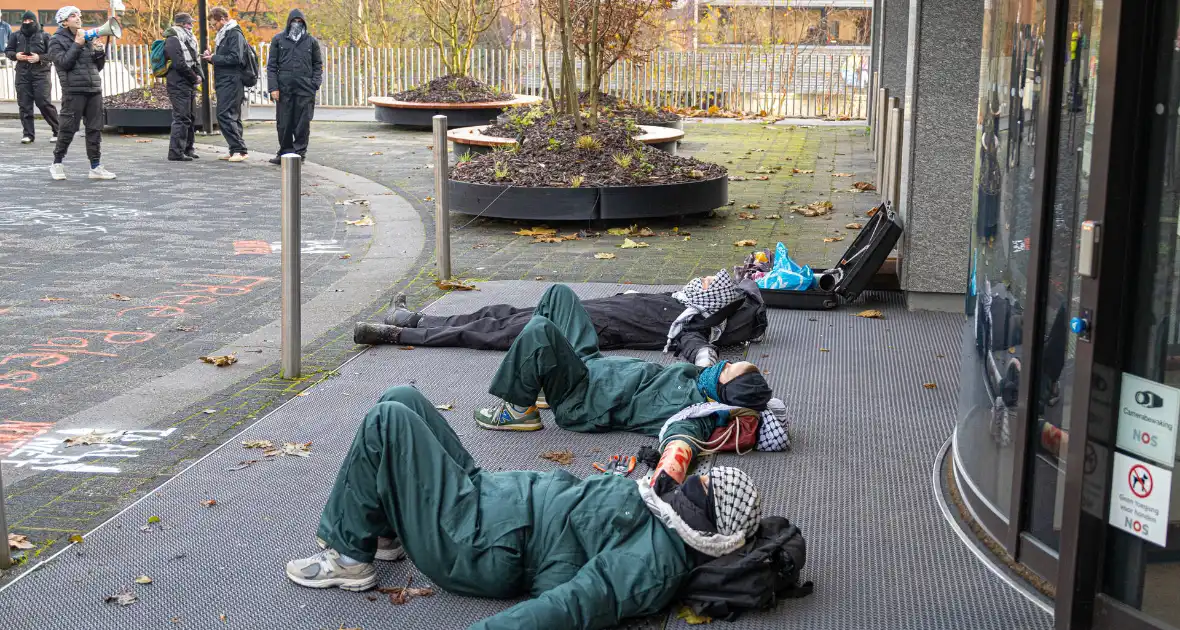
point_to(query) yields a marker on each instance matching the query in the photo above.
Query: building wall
(894, 49)
(94, 12)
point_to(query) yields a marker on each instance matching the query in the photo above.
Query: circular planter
(134, 119)
(389, 110)
(593, 203)
(472, 139)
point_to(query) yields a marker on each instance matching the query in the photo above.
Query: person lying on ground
(587, 553)
(708, 312)
(557, 352)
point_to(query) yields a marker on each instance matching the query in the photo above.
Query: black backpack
(249, 64)
(753, 577)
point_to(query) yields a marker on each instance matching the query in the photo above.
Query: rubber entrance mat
(857, 482)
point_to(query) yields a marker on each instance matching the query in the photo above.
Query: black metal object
(419, 117)
(505, 201)
(205, 107)
(860, 261)
(124, 118)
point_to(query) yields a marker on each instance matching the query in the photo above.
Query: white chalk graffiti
(13, 217)
(50, 453)
(312, 247)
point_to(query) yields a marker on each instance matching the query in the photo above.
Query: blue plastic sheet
(787, 274)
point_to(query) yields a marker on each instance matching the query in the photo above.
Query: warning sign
(1148, 413)
(1139, 497)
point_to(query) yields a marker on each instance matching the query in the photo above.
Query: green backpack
(161, 64)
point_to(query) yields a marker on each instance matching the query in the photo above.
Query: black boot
(402, 318)
(375, 334)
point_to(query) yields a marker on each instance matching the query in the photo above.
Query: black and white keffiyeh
(773, 428)
(698, 300)
(736, 502)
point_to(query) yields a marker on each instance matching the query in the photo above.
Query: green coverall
(558, 351)
(589, 552)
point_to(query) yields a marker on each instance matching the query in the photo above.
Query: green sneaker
(324, 570)
(503, 418)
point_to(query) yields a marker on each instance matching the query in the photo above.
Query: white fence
(807, 82)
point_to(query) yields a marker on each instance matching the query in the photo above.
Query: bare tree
(455, 27)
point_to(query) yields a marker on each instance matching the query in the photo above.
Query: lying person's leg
(488, 333)
(404, 458)
(561, 306)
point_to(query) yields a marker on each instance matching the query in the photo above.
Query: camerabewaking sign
(1148, 412)
(1139, 498)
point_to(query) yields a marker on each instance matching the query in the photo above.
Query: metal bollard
(291, 243)
(5, 556)
(894, 154)
(879, 148)
(873, 111)
(442, 213)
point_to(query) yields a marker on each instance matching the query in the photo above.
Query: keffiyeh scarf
(698, 300)
(736, 502)
(188, 44)
(773, 428)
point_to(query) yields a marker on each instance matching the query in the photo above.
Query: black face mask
(28, 29)
(691, 501)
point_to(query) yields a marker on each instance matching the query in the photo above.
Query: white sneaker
(238, 157)
(53, 139)
(225, 157)
(26, 140)
(101, 173)
(57, 171)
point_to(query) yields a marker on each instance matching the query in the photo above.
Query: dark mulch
(452, 89)
(554, 154)
(613, 106)
(154, 96)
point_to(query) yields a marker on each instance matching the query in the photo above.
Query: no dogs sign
(1139, 497)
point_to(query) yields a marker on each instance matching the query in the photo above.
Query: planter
(389, 110)
(505, 201)
(134, 119)
(473, 140)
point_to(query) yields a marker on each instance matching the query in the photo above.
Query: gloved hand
(706, 357)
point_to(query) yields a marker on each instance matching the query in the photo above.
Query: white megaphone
(110, 29)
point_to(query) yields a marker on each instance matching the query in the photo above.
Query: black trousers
(230, 94)
(293, 113)
(183, 97)
(77, 109)
(35, 91)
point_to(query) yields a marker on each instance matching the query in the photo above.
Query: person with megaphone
(79, 58)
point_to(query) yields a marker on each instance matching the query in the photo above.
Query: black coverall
(637, 321)
(78, 69)
(182, 81)
(227, 82)
(295, 69)
(32, 79)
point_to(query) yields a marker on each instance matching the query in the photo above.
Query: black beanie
(29, 15)
(749, 390)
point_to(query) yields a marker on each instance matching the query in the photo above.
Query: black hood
(31, 28)
(295, 13)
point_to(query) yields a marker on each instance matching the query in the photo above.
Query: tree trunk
(571, 83)
(545, 58)
(592, 66)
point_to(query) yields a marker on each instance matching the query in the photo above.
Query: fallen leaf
(762, 178)
(76, 538)
(688, 238)
(800, 171)
(353, 202)
(376, 153)
(120, 297)
(175, 620)
(370, 137)
(604, 256)
(18, 541)
(222, 360)
(364, 221)
(871, 211)
(454, 285)
(447, 407)
(209, 503)
(774, 216)
(401, 594)
(143, 140)
(692, 618)
(864, 186)
(929, 385)
(243, 464)
(258, 444)
(143, 579)
(824, 350)
(52, 299)
(556, 239)
(298, 449)
(853, 226)
(185, 329)
(630, 244)
(153, 519)
(813, 209)
(221, 617)
(833, 239)
(737, 178)
(841, 174)
(751, 206)
(565, 458)
(871, 314)
(345, 256)
(745, 243)
(537, 231)
(122, 598)
(94, 437)
(747, 215)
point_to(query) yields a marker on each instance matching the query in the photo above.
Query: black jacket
(745, 320)
(179, 73)
(294, 67)
(37, 43)
(78, 67)
(228, 58)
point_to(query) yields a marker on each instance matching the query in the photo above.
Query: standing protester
(5, 30)
(180, 50)
(29, 48)
(294, 73)
(78, 64)
(227, 80)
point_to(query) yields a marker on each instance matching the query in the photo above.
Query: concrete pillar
(875, 38)
(941, 105)
(894, 25)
